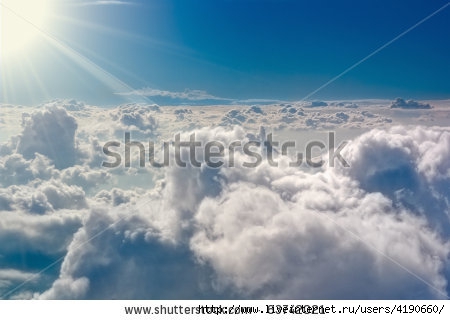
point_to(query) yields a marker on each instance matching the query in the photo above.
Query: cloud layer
(378, 229)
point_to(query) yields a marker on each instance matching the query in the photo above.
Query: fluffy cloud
(136, 117)
(84, 176)
(407, 164)
(289, 109)
(50, 132)
(352, 119)
(48, 234)
(15, 170)
(278, 234)
(10, 275)
(410, 104)
(68, 104)
(30, 243)
(178, 97)
(116, 197)
(182, 113)
(146, 121)
(43, 198)
(315, 104)
(378, 229)
(348, 105)
(255, 109)
(320, 244)
(129, 250)
(234, 117)
(267, 232)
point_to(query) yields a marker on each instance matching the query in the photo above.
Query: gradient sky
(237, 49)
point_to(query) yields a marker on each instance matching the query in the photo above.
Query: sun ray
(17, 12)
(36, 78)
(116, 85)
(20, 21)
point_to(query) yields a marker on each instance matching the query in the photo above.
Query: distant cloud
(234, 117)
(102, 3)
(136, 117)
(68, 104)
(258, 101)
(315, 104)
(191, 95)
(410, 104)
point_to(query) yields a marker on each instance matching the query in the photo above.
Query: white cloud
(15, 170)
(85, 177)
(128, 251)
(67, 288)
(41, 198)
(188, 94)
(10, 275)
(48, 234)
(407, 164)
(68, 104)
(314, 246)
(136, 117)
(183, 114)
(378, 229)
(269, 232)
(116, 197)
(255, 109)
(50, 132)
(234, 117)
(103, 3)
(409, 104)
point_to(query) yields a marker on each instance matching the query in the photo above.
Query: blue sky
(236, 49)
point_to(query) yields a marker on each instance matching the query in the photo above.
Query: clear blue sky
(238, 49)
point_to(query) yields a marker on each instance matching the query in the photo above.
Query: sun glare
(21, 22)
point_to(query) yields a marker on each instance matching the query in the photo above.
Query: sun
(21, 24)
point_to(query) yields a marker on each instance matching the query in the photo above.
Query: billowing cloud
(15, 170)
(182, 114)
(407, 164)
(84, 176)
(378, 229)
(21, 233)
(267, 232)
(255, 109)
(43, 198)
(129, 250)
(234, 117)
(50, 132)
(320, 244)
(68, 104)
(136, 117)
